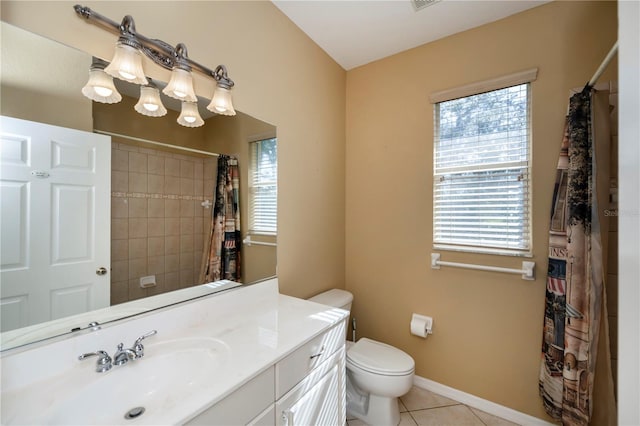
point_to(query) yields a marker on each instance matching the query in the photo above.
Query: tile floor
(421, 407)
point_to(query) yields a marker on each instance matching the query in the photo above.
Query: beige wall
(29, 93)
(281, 77)
(487, 326)
(121, 118)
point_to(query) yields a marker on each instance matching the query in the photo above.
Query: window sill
(263, 234)
(483, 250)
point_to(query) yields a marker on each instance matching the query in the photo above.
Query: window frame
(525, 77)
(255, 145)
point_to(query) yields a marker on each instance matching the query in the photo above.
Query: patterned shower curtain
(574, 279)
(222, 258)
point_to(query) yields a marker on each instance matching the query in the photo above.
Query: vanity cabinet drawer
(242, 406)
(297, 365)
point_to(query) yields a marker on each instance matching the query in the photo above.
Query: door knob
(101, 271)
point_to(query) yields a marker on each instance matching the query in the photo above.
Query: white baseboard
(479, 403)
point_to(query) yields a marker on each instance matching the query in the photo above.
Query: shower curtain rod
(166, 145)
(603, 65)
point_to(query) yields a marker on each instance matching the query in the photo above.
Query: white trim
(485, 86)
(166, 145)
(479, 403)
(483, 250)
(262, 136)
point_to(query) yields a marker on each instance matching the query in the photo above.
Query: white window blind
(263, 187)
(481, 172)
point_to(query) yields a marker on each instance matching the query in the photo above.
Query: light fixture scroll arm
(181, 57)
(128, 26)
(221, 76)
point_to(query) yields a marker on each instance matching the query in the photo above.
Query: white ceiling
(356, 32)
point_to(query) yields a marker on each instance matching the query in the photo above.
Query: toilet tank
(335, 297)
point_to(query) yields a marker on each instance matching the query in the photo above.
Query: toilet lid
(380, 358)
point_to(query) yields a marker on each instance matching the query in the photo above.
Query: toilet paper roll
(421, 325)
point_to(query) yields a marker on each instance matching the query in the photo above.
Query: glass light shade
(181, 86)
(189, 116)
(149, 103)
(100, 88)
(222, 102)
(127, 64)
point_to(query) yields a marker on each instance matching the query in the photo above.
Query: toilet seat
(379, 358)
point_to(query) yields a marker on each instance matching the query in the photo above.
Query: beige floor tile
(406, 420)
(356, 422)
(420, 399)
(490, 419)
(455, 415)
(401, 406)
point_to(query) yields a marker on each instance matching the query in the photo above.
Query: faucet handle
(138, 347)
(104, 360)
(148, 334)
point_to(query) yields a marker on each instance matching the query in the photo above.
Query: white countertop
(254, 326)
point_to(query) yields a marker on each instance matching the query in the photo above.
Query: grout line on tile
(476, 416)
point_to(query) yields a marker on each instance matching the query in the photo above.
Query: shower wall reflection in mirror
(161, 198)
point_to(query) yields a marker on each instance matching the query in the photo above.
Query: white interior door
(55, 222)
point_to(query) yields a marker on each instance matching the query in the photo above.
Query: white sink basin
(169, 373)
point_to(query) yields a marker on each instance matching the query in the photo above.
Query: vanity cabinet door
(319, 399)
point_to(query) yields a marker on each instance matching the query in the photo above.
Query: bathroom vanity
(246, 356)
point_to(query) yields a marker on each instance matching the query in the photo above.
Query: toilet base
(372, 409)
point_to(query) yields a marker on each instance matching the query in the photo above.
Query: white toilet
(377, 373)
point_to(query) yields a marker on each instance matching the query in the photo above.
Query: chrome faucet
(121, 356)
(104, 360)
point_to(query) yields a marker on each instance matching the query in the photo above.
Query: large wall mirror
(160, 196)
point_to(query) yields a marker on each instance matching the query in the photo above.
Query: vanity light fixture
(150, 103)
(127, 65)
(190, 116)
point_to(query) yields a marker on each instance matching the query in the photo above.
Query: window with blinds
(482, 172)
(263, 187)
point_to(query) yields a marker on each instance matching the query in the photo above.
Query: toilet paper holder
(421, 325)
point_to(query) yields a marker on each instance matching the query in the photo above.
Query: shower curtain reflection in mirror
(221, 258)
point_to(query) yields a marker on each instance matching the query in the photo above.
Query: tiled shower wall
(157, 220)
